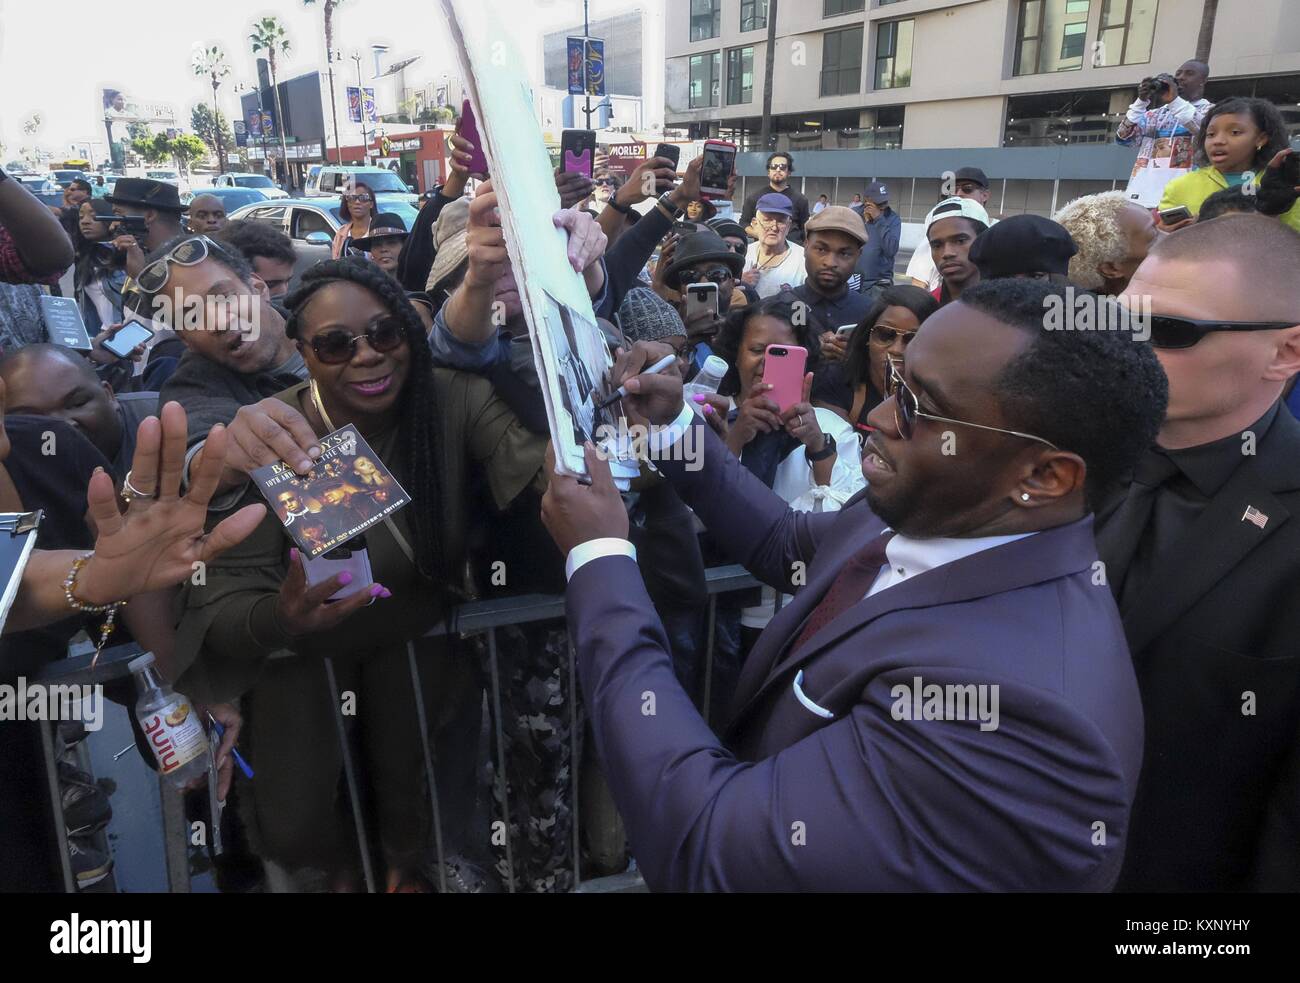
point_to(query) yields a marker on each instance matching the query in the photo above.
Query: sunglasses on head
(191, 252)
(907, 409)
(1184, 332)
(336, 346)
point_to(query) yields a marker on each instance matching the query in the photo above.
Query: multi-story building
(902, 90)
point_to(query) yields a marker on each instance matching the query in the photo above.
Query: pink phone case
(785, 373)
(468, 128)
(581, 163)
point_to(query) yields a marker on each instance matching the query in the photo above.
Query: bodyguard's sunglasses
(1184, 332)
(336, 346)
(191, 252)
(907, 409)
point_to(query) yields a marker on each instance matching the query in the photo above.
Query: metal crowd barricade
(476, 618)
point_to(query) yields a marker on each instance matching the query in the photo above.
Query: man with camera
(1163, 123)
(149, 213)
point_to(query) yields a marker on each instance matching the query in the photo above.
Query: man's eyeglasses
(778, 167)
(716, 274)
(1184, 332)
(907, 410)
(887, 336)
(191, 252)
(772, 223)
(336, 346)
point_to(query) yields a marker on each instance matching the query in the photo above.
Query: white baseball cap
(957, 208)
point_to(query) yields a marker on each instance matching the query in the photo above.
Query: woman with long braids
(260, 631)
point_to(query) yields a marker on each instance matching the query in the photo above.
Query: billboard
(594, 64)
(120, 110)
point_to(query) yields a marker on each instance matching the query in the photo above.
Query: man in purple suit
(948, 702)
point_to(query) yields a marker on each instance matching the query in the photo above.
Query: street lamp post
(261, 122)
(361, 100)
(331, 57)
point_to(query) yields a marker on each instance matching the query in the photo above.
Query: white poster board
(570, 350)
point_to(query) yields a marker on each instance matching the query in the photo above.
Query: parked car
(311, 224)
(259, 181)
(330, 179)
(169, 175)
(232, 198)
(64, 177)
(44, 187)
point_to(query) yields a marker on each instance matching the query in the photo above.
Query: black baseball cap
(972, 174)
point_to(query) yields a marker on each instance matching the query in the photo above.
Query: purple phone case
(582, 163)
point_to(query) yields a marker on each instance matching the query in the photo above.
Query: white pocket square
(809, 704)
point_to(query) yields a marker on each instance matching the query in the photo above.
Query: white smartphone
(130, 336)
(352, 557)
(844, 330)
(701, 297)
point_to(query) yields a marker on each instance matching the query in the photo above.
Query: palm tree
(329, 6)
(1209, 13)
(269, 36)
(212, 63)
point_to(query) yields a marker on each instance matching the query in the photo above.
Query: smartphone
(468, 128)
(685, 228)
(719, 160)
(701, 297)
(130, 336)
(63, 323)
(844, 330)
(669, 151)
(1176, 214)
(351, 557)
(578, 152)
(128, 225)
(783, 367)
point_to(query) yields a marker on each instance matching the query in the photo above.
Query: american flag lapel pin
(1254, 515)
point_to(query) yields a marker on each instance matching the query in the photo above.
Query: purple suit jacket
(863, 800)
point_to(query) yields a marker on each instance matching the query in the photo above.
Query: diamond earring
(1024, 496)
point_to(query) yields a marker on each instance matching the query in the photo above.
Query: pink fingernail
(293, 555)
(698, 397)
(345, 578)
(376, 590)
(386, 593)
(708, 408)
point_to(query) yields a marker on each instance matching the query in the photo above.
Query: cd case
(344, 494)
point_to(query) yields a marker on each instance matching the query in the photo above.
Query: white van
(329, 180)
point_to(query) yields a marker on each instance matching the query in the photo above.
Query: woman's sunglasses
(359, 199)
(336, 346)
(887, 336)
(907, 409)
(1184, 332)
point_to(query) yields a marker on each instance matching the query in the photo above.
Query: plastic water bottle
(170, 724)
(706, 382)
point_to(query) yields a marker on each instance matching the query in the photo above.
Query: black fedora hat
(385, 225)
(703, 246)
(143, 192)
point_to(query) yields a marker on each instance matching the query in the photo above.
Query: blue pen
(239, 758)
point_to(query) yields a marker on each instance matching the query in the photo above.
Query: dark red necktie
(850, 586)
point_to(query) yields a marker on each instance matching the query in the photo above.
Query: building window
(704, 80)
(1052, 36)
(842, 62)
(894, 54)
(753, 15)
(833, 8)
(706, 19)
(1127, 27)
(740, 75)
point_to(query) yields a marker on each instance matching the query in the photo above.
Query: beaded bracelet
(70, 582)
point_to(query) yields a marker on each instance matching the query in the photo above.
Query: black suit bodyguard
(1203, 554)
